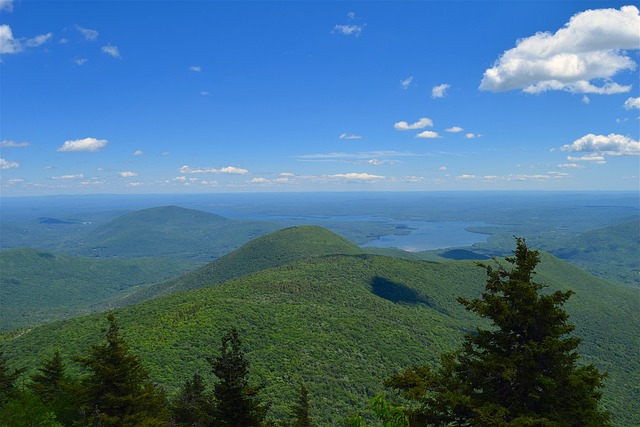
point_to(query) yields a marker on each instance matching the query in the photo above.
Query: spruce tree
(522, 371)
(192, 406)
(236, 403)
(50, 382)
(118, 390)
(7, 379)
(300, 412)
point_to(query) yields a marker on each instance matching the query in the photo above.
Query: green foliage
(7, 379)
(521, 371)
(118, 391)
(38, 287)
(192, 406)
(236, 403)
(301, 411)
(318, 319)
(273, 250)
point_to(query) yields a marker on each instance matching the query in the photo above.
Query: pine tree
(300, 412)
(192, 406)
(118, 390)
(7, 379)
(49, 383)
(523, 371)
(236, 403)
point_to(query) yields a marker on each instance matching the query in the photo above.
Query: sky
(126, 97)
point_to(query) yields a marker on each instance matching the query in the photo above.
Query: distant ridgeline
(312, 306)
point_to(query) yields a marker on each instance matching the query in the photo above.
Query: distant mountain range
(310, 305)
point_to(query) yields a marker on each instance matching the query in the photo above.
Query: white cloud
(358, 177)
(224, 170)
(440, 91)
(195, 68)
(7, 43)
(472, 135)
(88, 34)
(454, 129)
(86, 144)
(80, 61)
(570, 166)
(405, 83)
(76, 176)
(428, 134)
(138, 153)
(111, 51)
(349, 30)
(613, 145)
(595, 158)
(586, 100)
(204, 93)
(516, 177)
(6, 5)
(591, 46)
(420, 124)
(127, 174)
(347, 136)
(134, 184)
(165, 153)
(39, 40)
(632, 103)
(5, 164)
(10, 144)
(352, 157)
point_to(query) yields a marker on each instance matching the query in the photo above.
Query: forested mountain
(340, 322)
(38, 286)
(610, 252)
(272, 250)
(171, 232)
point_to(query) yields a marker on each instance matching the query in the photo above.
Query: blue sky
(207, 96)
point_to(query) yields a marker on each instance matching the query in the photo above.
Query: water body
(431, 235)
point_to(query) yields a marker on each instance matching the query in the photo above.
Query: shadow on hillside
(396, 292)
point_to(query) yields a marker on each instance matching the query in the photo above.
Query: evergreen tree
(118, 390)
(7, 379)
(300, 412)
(54, 389)
(192, 406)
(523, 371)
(236, 403)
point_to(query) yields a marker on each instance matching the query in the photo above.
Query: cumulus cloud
(632, 103)
(138, 153)
(570, 166)
(440, 91)
(420, 124)
(428, 134)
(11, 144)
(347, 136)
(88, 34)
(8, 44)
(586, 100)
(472, 135)
(86, 144)
(454, 129)
(349, 30)
(357, 177)
(591, 46)
(6, 5)
(195, 68)
(134, 184)
(405, 83)
(127, 174)
(595, 158)
(225, 170)
(6, 164)
(112, 51)
(612, 145)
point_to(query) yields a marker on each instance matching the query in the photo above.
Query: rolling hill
(611, 252)
(170, 232)
(38, 286)
(342, 322)
(272, 250)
